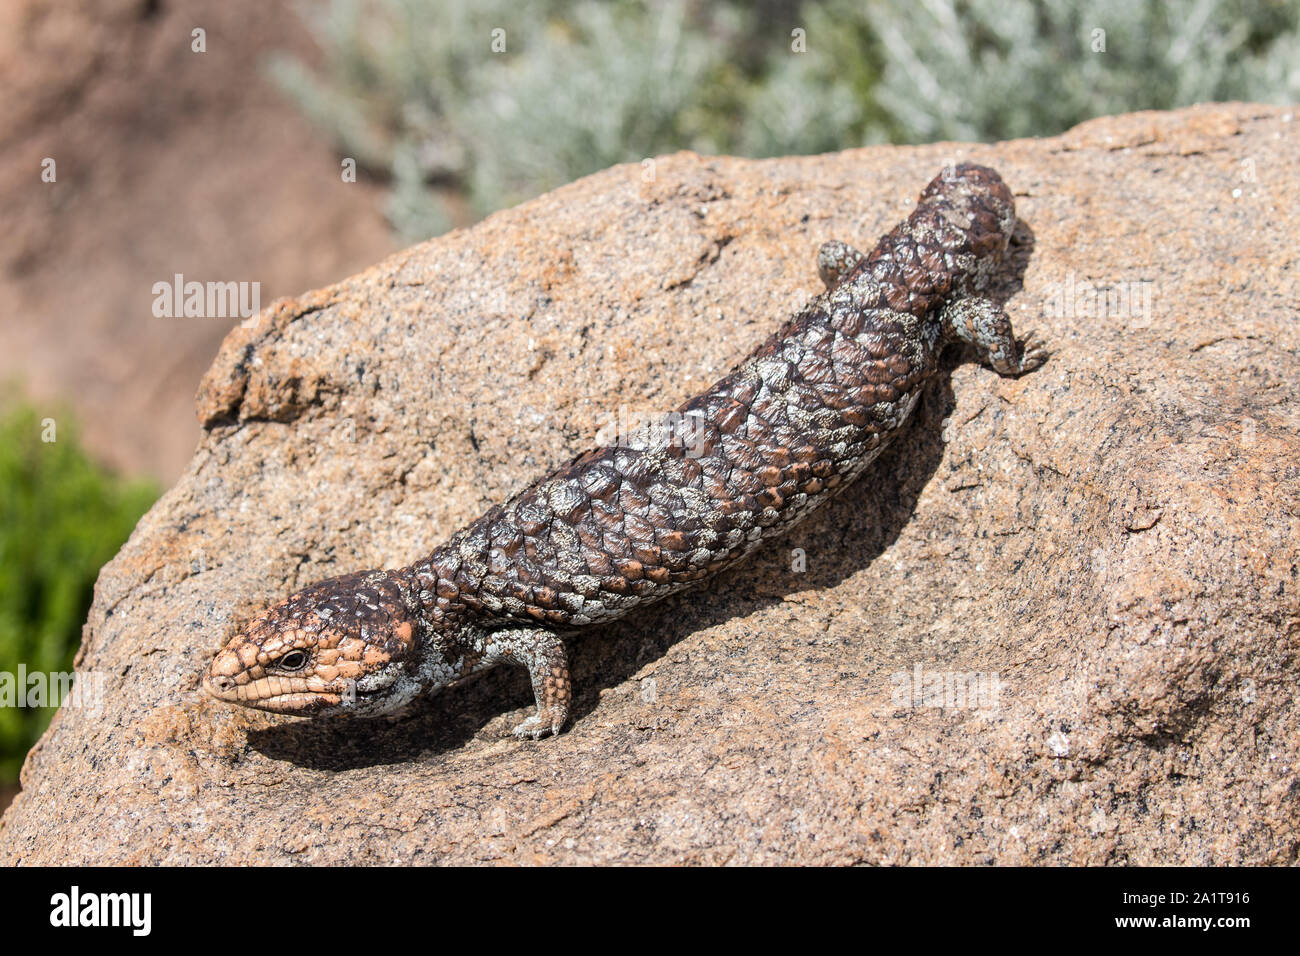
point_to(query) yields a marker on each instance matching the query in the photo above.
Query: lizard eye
(293, 661)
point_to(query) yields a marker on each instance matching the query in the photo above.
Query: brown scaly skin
(628, 524)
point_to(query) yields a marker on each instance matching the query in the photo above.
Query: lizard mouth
(275, 694)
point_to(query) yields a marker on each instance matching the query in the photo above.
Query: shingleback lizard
(630, 523)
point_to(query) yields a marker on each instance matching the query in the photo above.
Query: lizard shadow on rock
(849, 533)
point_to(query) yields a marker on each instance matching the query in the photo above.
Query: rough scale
(665, 508)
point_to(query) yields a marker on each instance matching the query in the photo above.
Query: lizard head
(343, 646)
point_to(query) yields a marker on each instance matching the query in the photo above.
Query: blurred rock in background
(167, 161)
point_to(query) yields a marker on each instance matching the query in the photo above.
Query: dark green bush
(61, 518)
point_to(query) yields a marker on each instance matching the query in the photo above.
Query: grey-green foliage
(997, 69)
(817, 97)
(423, 91)
(618, 82)
(396, 76)
(393, 69)
(414, 90)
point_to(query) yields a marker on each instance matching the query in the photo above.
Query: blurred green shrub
(61, 518)
(414, 90)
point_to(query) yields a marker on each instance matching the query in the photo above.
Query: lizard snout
(220, 687)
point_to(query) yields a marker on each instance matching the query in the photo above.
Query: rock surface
(1115, 537)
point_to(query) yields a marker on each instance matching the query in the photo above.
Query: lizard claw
(543, 722)
(1033, 352)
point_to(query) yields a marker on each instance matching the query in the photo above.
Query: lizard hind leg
(541, 653)
(835, 260)
(985, 325)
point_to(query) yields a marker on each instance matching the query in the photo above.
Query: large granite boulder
(1056, 623)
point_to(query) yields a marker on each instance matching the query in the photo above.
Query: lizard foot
(548, 720)
(1033, 352)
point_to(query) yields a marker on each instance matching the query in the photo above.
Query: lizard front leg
(985, 325)
(541, 653)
